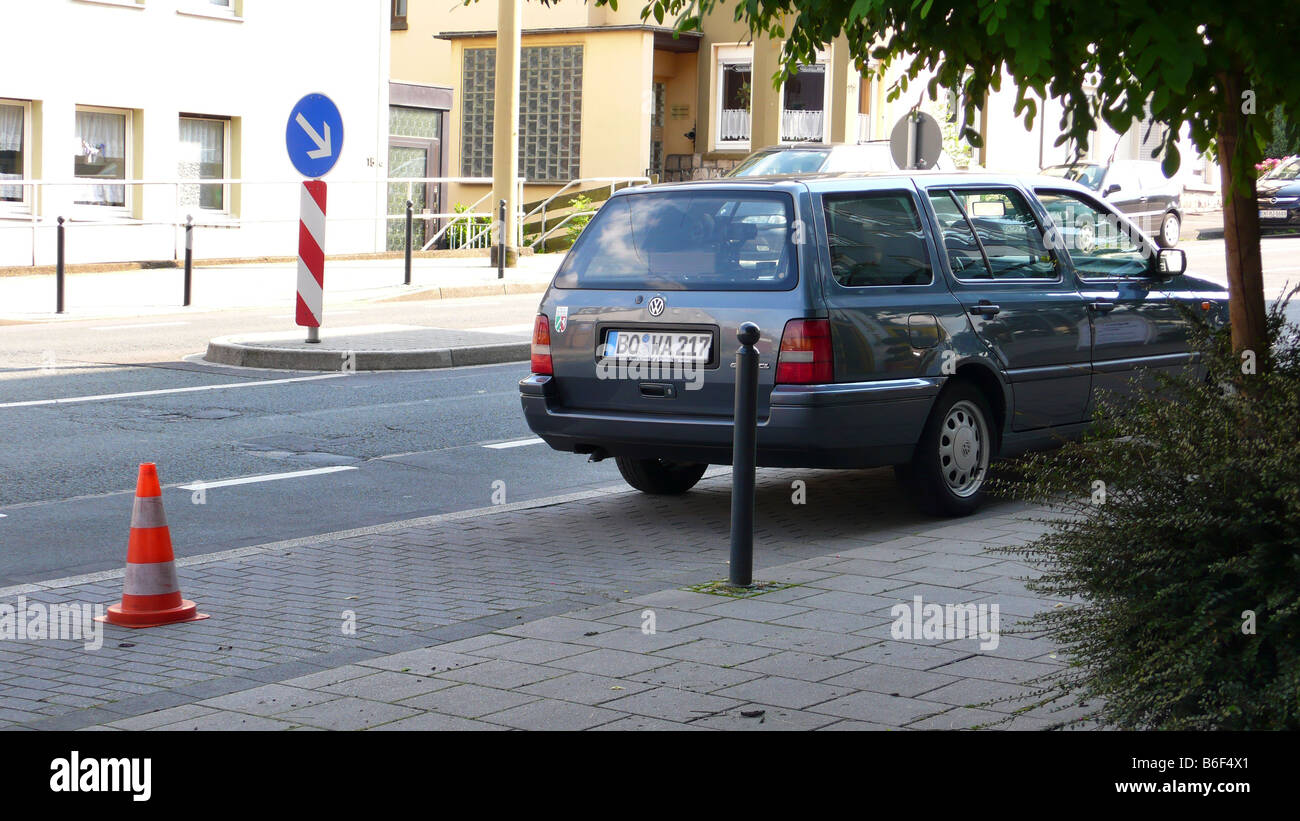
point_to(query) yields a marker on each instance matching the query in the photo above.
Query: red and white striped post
(311, 258)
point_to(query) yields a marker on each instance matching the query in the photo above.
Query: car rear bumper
(842, 425)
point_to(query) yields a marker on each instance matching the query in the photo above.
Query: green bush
(574, 227)
(1197, 522)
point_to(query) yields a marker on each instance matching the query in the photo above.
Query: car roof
(833, 181)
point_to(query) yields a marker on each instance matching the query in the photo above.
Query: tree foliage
(1104, 60)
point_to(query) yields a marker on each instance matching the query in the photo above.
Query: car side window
(1005, 232)
(1100, 244)
(876, 238)
(965, 257)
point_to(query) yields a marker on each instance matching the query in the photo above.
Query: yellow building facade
(605, 95)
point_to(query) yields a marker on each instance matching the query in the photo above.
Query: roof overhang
(666, 39)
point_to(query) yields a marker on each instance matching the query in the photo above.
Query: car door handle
(984, 309)
(1101, 307)
(658, 390)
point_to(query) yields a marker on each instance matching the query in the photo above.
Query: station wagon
(930, 321)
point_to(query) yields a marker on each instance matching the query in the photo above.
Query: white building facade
(125, 117)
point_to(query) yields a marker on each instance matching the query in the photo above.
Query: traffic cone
(151, 595)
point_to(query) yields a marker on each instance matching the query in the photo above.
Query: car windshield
(1286, 170)
(781, 162)
(686, 241)
(1089, 175)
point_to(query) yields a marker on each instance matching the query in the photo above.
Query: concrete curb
(226, 351)
(463, 291)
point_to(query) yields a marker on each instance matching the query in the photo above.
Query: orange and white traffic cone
(151, 595)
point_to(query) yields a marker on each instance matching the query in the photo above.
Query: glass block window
(550, 112)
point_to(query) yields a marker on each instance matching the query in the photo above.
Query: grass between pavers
(722, 588)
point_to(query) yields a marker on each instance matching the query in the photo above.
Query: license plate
(658, 346)
(1272, 214)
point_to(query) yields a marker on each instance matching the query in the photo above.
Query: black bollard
(410, 211)
(744, 455)
(58, 269)
(189, 258)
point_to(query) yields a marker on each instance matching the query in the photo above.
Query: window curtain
(11, 128)
(202, 157)
(11, 151)
(101, 152)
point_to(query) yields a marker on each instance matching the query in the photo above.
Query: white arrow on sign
(323, 147)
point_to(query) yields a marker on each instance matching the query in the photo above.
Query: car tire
(949, 470)
(658, 476)
(1170, 227)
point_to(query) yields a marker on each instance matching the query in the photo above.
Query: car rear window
(800, 161)
(686, 241)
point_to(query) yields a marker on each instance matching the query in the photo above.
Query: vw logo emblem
(656, 306)
(1272, 200)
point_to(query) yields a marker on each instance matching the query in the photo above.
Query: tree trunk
(1241, 226)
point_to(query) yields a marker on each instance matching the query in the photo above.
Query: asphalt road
(411, 443)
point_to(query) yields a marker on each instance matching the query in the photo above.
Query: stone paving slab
(535, 617)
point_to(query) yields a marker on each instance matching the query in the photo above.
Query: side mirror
(1111, 189)
(1171, 262)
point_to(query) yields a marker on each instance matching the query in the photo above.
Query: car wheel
(950, 467)
(659, 476)
(1170, 229)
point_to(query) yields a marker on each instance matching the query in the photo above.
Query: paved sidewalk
(157, 290)
(532, 616)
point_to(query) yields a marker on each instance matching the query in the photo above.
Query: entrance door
(415, 151)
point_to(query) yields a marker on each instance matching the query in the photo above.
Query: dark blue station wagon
(929, 321)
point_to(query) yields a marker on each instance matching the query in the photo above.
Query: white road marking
(266, 477)
(140, 325)
(518, 443)
(68, 400)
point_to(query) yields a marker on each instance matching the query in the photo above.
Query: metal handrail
(611, 180)
(558, 226)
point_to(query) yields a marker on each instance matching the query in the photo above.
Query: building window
(14, 157)
(735, 85)
(398, 18)
(102, 154)
(803, 115)
(550, 112)
(204, 146)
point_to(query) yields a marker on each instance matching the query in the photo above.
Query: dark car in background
(1278, 194)
(1138, 188)
(928, 321)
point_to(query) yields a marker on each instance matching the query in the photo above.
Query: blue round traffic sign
(314, 135)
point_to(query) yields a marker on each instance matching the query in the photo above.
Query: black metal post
(410, 211)
(744, 454)
(189, 257)
(58, 269)
(501, 241)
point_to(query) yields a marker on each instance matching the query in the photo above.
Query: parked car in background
(1138, 188)
(825, 158)
(929, 321)
(1278, 194)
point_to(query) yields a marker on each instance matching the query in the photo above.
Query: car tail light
(541, 359)
(805, 357)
